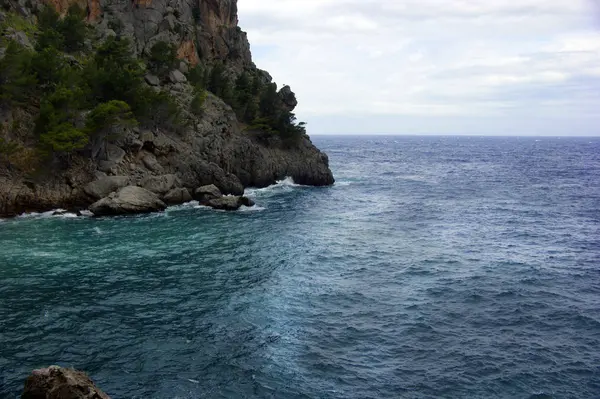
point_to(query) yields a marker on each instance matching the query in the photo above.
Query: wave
(281, 186)
(254, 208)
(55, 213)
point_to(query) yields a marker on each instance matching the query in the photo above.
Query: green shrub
(63, 139)
(17, 82)
(73, 29)
(106, 115)
(162, 58)
(198, 77)
(197, 104)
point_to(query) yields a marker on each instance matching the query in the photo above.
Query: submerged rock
(128, 200)
(56, 382)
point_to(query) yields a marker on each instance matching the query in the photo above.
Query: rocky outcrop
(128, 200)
(227, 203)
(214, 149)
(161, 184)
(60, 383)
(177, 196)
(206, 193)
(105, 185)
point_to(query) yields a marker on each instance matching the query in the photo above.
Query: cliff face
(215, 149)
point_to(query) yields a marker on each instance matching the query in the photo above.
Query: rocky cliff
(213, 148)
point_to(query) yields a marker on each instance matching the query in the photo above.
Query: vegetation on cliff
(77, 89)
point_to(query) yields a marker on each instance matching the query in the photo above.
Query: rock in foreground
(128, 200)
(59, 383)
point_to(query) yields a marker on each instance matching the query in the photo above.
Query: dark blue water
(436, 267)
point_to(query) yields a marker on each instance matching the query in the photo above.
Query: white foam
(343, 183)
(285, 185)
(97, 230)
(254, 208)
(63, 214)
(193, 381)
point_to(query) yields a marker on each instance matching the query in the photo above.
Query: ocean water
(436, 267)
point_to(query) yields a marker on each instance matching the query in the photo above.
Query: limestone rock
(56, 382)
(175, 76)
(105, 185)
(206, 193)
(177, 196)
(151, 163)
(128, 200)
(227, 203)
(288, 98)
(152, 80)
(161, 184)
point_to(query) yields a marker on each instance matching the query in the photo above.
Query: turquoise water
(436, 267)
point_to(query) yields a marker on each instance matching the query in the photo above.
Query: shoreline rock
(56, 382)
(128, 200)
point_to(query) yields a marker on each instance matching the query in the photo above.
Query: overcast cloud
(433, 66)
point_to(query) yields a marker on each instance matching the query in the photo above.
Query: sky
(483, 67)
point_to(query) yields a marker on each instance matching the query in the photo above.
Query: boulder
(177, 196)
(111, 157)
(288, 98)
(161, 184)
(247, 201)
(175, 76)
(152, 80)
(56, 382)
(183, 67)
(206, 193)
(105, 185)
(128, 200)
(227, 203)
(151, 163)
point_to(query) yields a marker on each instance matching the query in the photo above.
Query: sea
(435, 267)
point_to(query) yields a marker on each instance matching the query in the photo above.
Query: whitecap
(343, 183)
(184, 206)
(280, 186)
(254, 208)
(55, 213)
(98, 230)
(193, 381)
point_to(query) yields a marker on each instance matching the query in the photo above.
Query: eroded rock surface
(60, 383)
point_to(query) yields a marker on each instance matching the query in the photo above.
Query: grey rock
(111, 157)
(177, 196)
(206, 193)
(151, 163)
(227, 203)
(288, 98)
(247, 201)
(105, 185)
(161, 184)
(169, 23)
(136, 145)
(183, 67)
(175, 76)
(20, 37)
(128, 200)
(58, 382)
(152, 80)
